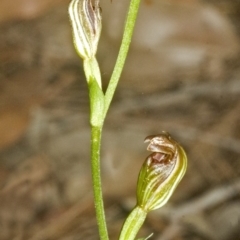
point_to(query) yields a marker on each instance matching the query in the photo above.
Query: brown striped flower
(86, 24)
(161, 172)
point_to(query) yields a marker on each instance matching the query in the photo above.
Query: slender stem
(96, 178)
(96, 130)
(133, 223)
(127, 36)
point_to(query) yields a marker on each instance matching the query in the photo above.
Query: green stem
(127, 36)
(133, 223)
(97, 118)
(96, 178)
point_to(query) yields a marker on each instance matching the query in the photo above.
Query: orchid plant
(164, 168)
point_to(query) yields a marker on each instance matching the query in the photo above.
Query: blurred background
(182, 76)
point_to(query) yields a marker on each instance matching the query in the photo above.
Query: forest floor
(45, 179)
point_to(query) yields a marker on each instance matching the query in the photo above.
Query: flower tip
(156, 142)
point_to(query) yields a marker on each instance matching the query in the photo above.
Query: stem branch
(127, 36)
(133, 223)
